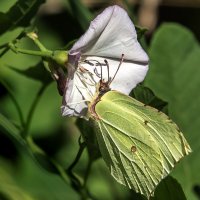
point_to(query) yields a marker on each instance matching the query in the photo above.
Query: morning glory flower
(111, 39)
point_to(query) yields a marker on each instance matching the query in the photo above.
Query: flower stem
(33, 36)
(75, 182)
(46, 54)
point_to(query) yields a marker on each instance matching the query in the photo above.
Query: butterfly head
(103, 87)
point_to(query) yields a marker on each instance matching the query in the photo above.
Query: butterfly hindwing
(139, 144)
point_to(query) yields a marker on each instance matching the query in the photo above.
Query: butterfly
(140, 144)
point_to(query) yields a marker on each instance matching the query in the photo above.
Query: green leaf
(9, 129)
(146, 96)
(81, 12)
(12, 35)
(140, 31)
(37, 72)
(37, 154)
(174, 76)
(87, 130)
(20, 14)
(9, 189)
(139, 144)
(14, 100)
(169, 189)
(4, 22)
(42, 158)
(6, 5)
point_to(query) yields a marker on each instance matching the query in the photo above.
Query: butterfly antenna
(101, 73)
(107, 70)
(121, 61)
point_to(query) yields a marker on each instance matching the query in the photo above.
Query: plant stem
(87, 173)
(75, 182)
(24, 133)
(61, 170)
(78, 156)
(33, 36)
(15, 102)
(45, 54)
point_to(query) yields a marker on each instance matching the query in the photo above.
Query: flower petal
(79, 90)
(73, 104)
(110, 34)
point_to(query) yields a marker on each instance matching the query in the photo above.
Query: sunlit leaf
(6, 5)
(10, 36)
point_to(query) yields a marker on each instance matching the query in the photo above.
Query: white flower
(110, 35)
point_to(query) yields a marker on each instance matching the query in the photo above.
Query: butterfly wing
(139, 144)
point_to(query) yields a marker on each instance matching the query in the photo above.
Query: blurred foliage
(20, 14)
(81, 13)
(174, 76)
(41, 154)
(9, 189)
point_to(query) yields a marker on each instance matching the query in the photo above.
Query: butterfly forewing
(139, 144)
